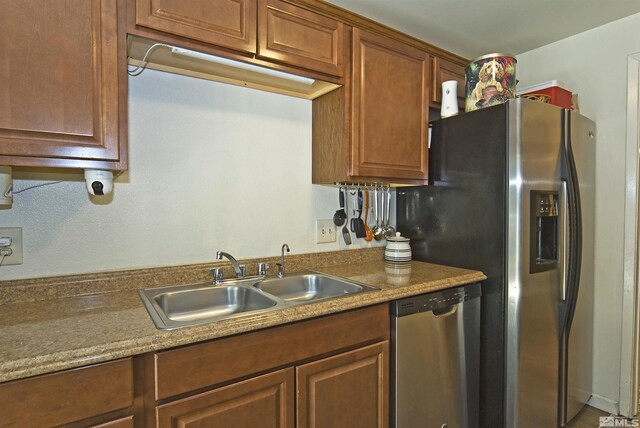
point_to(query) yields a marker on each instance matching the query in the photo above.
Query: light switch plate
(15, 233)
(325, 231)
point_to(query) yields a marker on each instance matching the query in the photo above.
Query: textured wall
(212, 167)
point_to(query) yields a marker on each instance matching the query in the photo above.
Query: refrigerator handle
(565, 242)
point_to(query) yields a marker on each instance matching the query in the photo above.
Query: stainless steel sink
(310, 286)
(187, 305)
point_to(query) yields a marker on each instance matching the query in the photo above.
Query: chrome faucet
(240, 269)
(281, 264)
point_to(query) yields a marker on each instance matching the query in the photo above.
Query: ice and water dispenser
(544, 231)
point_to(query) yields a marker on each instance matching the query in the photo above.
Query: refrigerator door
(460, 220)
(580, 343)
(534, 268)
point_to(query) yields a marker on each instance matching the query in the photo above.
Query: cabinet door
(444, 70)
(301, 38)
(390, 108)
(226, 23)
(264, 401)
(60, 97)
(347, 390)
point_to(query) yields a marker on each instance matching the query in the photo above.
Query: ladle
(378, 231)
(389, 231)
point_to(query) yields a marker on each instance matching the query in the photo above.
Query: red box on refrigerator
(560, 95)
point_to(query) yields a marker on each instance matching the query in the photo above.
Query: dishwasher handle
(446, 311)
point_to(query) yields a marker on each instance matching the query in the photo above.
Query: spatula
(345, 231)
(367, 229)
(360, 232)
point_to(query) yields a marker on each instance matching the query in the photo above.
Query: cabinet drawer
(193, 367)
(298, 37)
(227, 23)
(67, 396)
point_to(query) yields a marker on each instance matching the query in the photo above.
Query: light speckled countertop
(107, 323)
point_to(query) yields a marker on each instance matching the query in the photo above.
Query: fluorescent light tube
(242, 65)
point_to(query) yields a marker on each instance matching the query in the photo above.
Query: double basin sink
(187, 305)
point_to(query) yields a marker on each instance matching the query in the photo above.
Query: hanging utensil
(340, 217)
(388, 229)
(367, 229)
(354, 219)
(360, 232)
(378, 231)
(345, 231)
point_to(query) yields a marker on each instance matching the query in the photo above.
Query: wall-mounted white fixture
(242, 66)
(143, 53)
(6, 187)
(99, 181)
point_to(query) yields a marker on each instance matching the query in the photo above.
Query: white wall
(211, 167)
(594, 65)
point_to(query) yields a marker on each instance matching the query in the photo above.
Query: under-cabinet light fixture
(242, 65)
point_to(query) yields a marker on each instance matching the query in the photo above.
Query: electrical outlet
(325, 231)
(15, 234)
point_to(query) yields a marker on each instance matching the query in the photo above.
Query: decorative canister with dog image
(490, 80)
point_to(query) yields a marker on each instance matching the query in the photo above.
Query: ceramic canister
(490, 80)
(397, 249)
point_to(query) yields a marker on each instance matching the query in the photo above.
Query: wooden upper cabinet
(390, 108)
(301, 38)
(228, 23)
(444, 70)
(63, 79)
(346, 390)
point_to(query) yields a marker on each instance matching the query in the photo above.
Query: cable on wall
(137, 71)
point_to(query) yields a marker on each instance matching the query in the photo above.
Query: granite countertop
(63, 332)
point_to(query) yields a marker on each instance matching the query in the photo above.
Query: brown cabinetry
(262, 401)
(337, 364)
(63, 101)
(227, 23)
(71, 396)
(332, 369)
(376, 129)
(295, 36)
(267, 32)
(346, 390)
(444, 70)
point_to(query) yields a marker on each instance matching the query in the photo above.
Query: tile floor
(589, 417)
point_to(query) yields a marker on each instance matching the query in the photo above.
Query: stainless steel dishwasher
(436, 359)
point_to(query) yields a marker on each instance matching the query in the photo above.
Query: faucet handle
(262, 269)
(218, 276)
(243, 271)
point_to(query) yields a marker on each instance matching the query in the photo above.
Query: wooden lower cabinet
(264, 401)
(348, 390)
(333, 371)
(100, 395)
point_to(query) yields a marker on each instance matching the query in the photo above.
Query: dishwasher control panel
(436, 300)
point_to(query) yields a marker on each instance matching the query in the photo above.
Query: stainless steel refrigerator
(512, 194)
